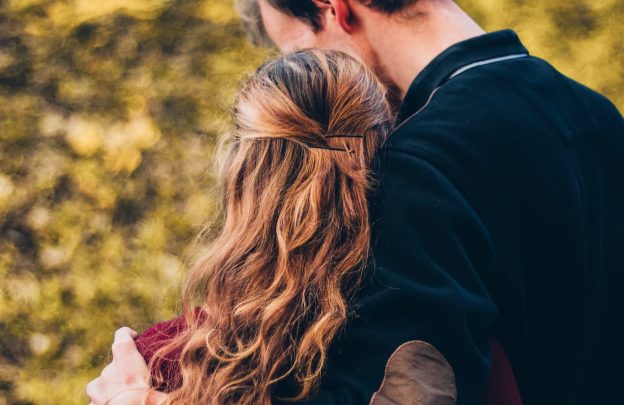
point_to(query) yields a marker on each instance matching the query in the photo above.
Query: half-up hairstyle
(274, 285)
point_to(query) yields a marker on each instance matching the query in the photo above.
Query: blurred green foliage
(108, 114)
(108, 117)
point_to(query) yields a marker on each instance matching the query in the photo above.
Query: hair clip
(344, 136)
(321, 147)
(329, 148)
(337, 136)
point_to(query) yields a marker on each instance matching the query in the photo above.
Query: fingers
(108, 372)
(93, 389)
(127, 371)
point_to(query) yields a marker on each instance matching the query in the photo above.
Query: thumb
(124, 346)
(124, 334)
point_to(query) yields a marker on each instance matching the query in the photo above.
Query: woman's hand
(125, 381)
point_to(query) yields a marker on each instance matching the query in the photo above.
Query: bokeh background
(109, 112)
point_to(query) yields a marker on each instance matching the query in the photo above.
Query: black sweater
(499, 211)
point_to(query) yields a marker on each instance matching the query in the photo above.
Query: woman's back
(295, 234)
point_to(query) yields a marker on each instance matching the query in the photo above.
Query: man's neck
(404, 48)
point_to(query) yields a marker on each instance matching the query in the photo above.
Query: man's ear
(340, 9)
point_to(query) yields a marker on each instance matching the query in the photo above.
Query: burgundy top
(151, 339)
(502, 388)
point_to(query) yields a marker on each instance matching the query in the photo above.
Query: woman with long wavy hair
(266, 297)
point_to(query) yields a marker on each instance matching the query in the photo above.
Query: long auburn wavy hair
(273, 286)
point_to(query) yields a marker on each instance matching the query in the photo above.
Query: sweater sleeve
(424, 311)
(149, 341)
(155, 337)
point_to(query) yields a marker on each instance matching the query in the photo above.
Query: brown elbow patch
(416, 374)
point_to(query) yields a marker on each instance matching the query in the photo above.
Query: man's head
(395, 38)
(345, 25)
(297, 24)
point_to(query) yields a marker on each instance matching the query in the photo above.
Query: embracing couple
(415, 212)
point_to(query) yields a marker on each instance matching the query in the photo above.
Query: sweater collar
(491, 45)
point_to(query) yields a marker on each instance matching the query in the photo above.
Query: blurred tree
(582, 38)
(108, 115)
